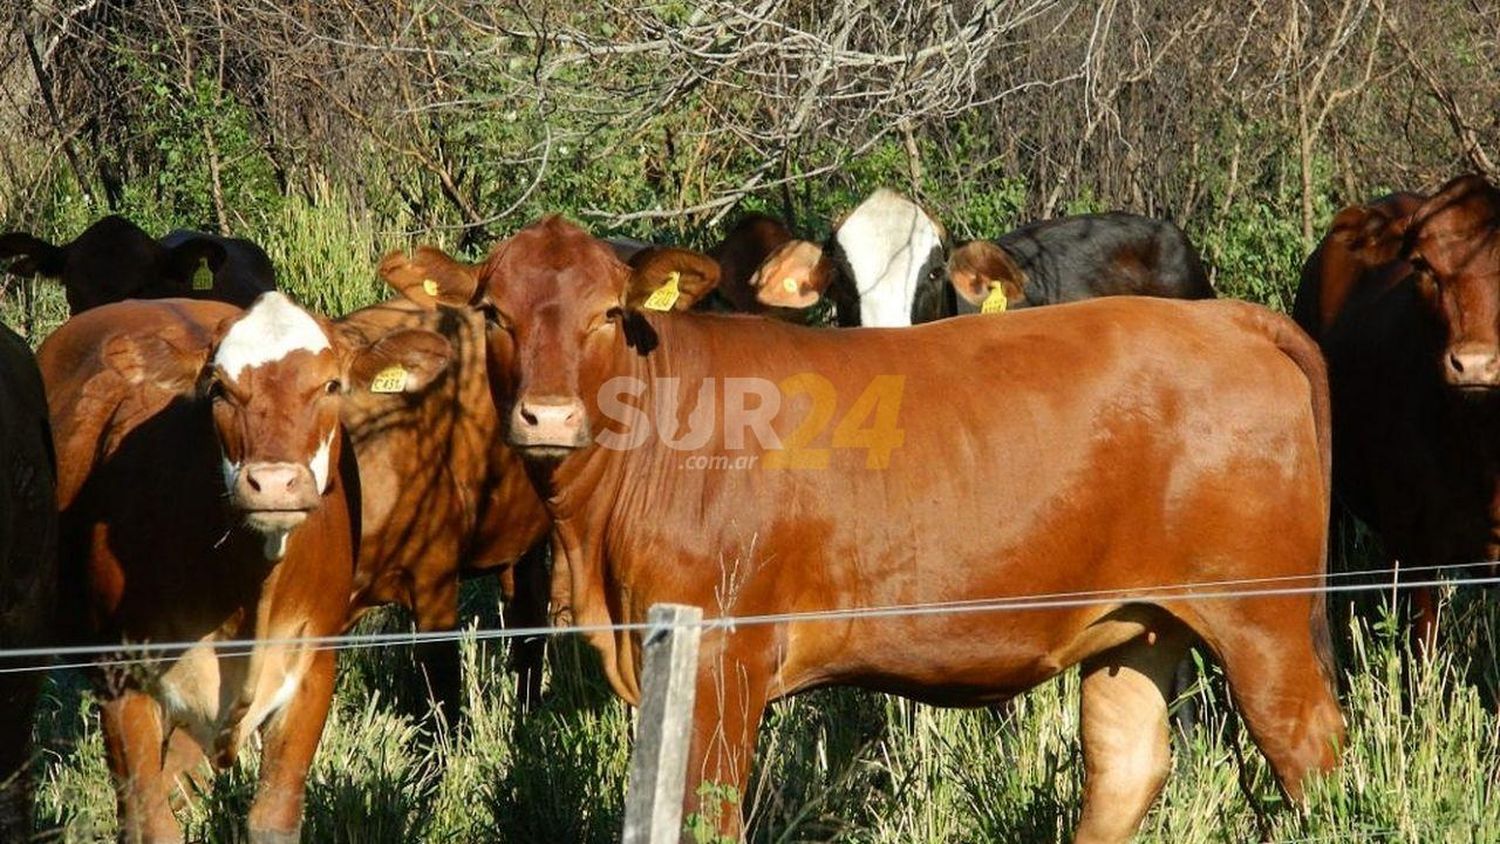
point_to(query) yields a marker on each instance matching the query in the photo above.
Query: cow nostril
(1456, 363)
(527, 415)
(252, 481)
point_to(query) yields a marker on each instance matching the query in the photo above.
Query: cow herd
(195, 458)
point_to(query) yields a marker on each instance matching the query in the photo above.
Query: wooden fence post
(664, 725)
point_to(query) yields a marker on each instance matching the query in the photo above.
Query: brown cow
(443, 497)
(1405, 300)
(739, 257)
(28, 567)
(114, 260)
(205, 493)
(1155, 470)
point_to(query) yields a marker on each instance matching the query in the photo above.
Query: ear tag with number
(665, 296)
(995, 302)
(203, 277)
(392, 379)
(430, 287)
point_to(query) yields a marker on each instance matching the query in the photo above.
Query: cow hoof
(276, 836)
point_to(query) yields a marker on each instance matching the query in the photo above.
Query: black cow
(1065, 260)
(114, 260)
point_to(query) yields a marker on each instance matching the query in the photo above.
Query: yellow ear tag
(665, 296)
(203, 277)
(995, 302)
(392, 379)
(789, 284)
(430, 287)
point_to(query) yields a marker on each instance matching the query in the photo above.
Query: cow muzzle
(548, 426)
(274, 497)
(1472, 367)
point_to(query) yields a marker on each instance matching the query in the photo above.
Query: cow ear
(978, 266)
(796, 275)
(163, 361)
(33, 256)
(194, 262)
(404, 361)
(666, 278)
(431, 277)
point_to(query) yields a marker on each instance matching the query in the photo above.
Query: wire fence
(145, 652)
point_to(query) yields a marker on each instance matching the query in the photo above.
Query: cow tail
(1295, 344)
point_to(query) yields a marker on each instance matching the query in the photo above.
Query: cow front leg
(438, 662)
(526, 607)
(132, 727)
(727, 709)
(290, 739)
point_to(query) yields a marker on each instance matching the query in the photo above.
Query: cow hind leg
(1125, 733)
(1279, 686)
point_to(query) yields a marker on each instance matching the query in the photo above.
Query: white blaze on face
(319, 463)
(888, 242)
(273, 328)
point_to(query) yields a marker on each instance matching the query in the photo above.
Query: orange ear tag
(392, 379)
(995, 302)
(665, 296)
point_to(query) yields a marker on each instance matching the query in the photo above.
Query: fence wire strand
(146, 652)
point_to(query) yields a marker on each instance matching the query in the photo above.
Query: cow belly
(988, 657)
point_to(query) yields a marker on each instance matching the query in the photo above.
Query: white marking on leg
(888, 242)
(273, 328)
(319, 463)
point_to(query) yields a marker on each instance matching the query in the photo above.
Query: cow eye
(1419, 263)
(214, 391)
(615, 314)
(332, 387)
(492, 317)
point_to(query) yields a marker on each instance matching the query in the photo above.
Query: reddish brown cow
(1405, 301)
(28, 567)
(205, 493)
(114, 260)
(443, 497)
(1155, 470)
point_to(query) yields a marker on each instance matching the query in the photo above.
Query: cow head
(1452, 243)
(274, 378)
(557, 303)
(795, 275)
(111, 261)
(884, 250)
(980, 269)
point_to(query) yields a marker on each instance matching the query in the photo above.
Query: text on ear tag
(665, 296)
(995, 302)
(430, 287)
(203, 277)
(392, 379)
